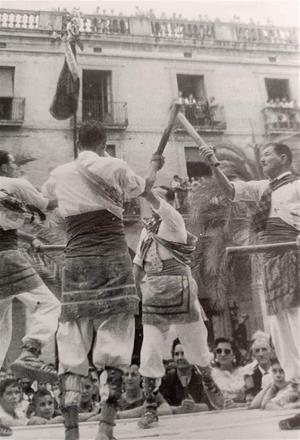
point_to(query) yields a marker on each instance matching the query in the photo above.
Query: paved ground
(224, 425)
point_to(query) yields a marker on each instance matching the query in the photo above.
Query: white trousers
(193, 337)
(113, 345)
(42, 313)
(285, 332)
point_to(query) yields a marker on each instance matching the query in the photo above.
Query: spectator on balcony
(270, 103)
(199, 111)
(175, 185)
(190, 105)
(271, 117)
(284, 103)
(277, 103)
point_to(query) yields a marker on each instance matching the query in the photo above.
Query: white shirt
(74, 193)
(23, 190)
(9, 420)
(172, 228)
(285, 201)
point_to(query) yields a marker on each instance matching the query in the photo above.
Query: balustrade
(173, 28)
(19, 19)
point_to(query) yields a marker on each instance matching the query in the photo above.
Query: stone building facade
(131, 70)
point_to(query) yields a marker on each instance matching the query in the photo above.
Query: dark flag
(65, 101)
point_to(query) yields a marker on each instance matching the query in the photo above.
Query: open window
(277, 88)
(96, 95)
(6, 92)
(191, 85)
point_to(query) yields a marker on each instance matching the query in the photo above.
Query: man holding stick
(277, 219)
(169, 296)
(98, 290)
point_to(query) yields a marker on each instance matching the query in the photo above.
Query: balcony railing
(19, 19)
(281, 120)
(183, 29)
(268, 35)
(232, 34)
(112, 114)
(12, 111)
(104, 25)
(207, 118)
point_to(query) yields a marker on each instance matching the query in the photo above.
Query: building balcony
(211, 119)
(12, 111)
(234, 35)
(112, 114)
(282, 120)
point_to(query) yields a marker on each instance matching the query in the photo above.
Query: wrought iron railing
(110, 113)
(281, 119)
(206, 118)
(12, 110)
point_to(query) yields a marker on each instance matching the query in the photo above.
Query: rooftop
(200, 31)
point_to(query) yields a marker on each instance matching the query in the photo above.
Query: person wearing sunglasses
(228, 375)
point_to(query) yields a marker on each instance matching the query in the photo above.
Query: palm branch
(219, 223)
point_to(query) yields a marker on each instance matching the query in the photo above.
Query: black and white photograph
(150, 220)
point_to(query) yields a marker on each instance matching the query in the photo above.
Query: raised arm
(208, 154)
(156, 164)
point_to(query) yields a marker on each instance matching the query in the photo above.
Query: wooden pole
(75, 148)
(259, 248)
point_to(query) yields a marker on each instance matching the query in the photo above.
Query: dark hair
(8, 383)
(234, 348)
(175, 342)
(280, 149)
(4, 157)
(170, 196)
(91, 134)
(31, 410)
(275, 361)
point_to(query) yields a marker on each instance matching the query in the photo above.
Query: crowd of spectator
(252, 381)
(201, 111)
(282, 113)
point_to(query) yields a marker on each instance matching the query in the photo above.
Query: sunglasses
(225, 351)
(178, 353)
(263, 349)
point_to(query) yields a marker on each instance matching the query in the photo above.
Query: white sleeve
(249, 191)
(170, 215)
(131, 184)
(138, 258)
(28, 194)
(48, 188)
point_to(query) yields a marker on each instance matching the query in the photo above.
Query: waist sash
(94, 233)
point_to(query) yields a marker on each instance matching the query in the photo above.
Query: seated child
(43, 409)
(279, 394)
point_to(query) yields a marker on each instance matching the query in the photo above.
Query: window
(111, 149)
(96, 95)
(277, 88)
(6, 92)
(195, 167)
(191, 85)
